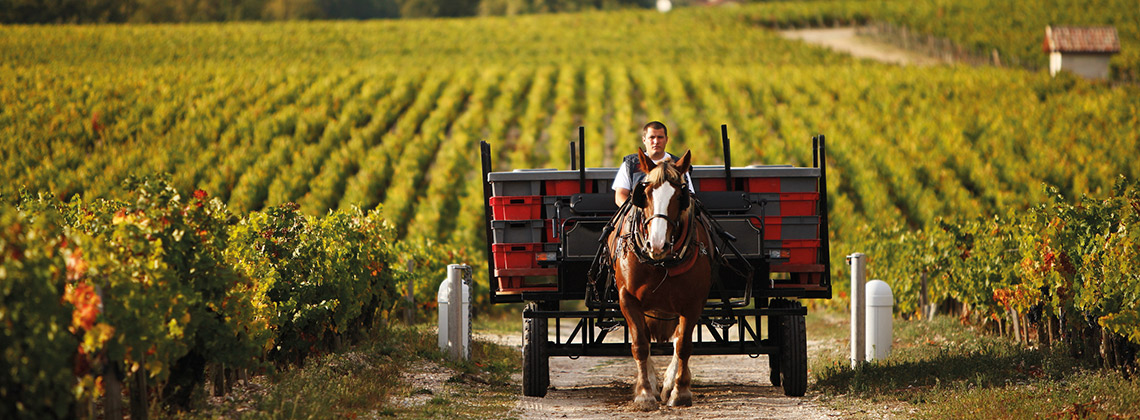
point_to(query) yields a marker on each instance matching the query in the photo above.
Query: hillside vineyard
(272, 133)
(388, 114)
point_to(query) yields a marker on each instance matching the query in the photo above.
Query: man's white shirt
(622, 179)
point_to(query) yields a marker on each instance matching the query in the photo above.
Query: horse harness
(682, 252)
(682, 256)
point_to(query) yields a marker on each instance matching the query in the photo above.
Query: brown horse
(662, 255)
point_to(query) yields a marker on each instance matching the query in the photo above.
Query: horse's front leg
(645, 389)
(678, 379)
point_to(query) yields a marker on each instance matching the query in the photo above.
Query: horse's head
(663, 199)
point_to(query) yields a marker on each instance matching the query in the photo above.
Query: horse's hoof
(645, 405)
(686, 401)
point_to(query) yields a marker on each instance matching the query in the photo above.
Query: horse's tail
(661, 329)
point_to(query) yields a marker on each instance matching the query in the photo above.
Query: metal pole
(727, 157)
(858, 310)
(485, 157)
(455, 312)
(824, 234)
(573, 157)
(465, 305)
(582, 159)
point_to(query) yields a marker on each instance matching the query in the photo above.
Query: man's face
(655, 140)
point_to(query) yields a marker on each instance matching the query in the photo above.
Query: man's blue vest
(633, 168)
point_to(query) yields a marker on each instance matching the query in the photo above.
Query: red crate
(799, 204)
(710, 184)
(802, 252)
(764, 185)
(517, 208)
(516, 255)
(567, 186)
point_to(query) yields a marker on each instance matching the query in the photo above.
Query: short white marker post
(880, 309)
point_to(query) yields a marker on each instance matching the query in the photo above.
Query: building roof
(1081, 39)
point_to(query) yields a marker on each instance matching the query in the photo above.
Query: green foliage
(319, 278)
(164, 288)
(37, 265)
(1073, 261)
(903, 254)
(137, 285)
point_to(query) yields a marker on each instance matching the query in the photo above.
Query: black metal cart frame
(746, 201)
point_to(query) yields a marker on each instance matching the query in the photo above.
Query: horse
(662, 259)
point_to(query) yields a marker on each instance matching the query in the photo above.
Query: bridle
(678, 244)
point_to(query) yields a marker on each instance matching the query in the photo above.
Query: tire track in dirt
(724, 387)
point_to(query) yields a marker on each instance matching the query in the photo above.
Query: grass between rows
(938, 369)
(943, 369)
(375, 379)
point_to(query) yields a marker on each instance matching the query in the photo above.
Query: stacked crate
(788, 208)
(522, 245)
(784, 203)
(525, 207)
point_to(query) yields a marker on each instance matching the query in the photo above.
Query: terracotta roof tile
(1081, 39)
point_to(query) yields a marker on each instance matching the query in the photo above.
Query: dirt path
(845, 40)
(724, 387)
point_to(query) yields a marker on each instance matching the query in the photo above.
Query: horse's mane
(664, 172)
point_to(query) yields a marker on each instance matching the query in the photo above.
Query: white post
(442, 298)
(858, 315)
(454, 312)
(460, 276)
(880, 310)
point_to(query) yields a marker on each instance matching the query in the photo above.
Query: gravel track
(724, 387)
(845, 40)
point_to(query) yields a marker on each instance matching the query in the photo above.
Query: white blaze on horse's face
(659, 227)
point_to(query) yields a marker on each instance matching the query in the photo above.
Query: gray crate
(799, 227)
(530, 181)
(515, 188)
(798, 184)
(518, 231)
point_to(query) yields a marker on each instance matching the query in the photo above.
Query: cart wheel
(793, 354)
(536, 365)
(775, 331)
